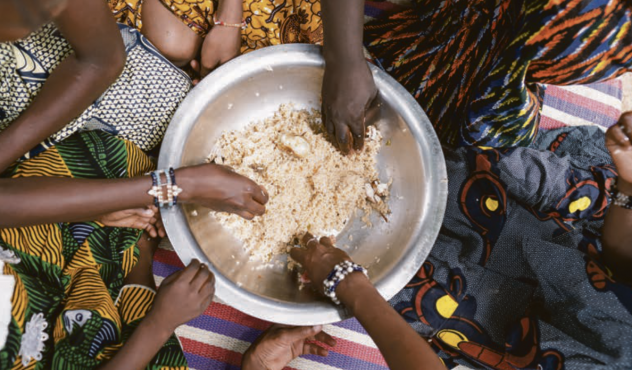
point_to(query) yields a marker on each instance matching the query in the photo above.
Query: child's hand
(183, 296)
(220, 45)
(147, 219)
(618, 143)
(219, 188)
(279, 345)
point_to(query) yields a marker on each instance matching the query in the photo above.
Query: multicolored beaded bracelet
(339, 272)
(241, 25)
(170, 187)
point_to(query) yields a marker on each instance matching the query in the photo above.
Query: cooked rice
(319, 193)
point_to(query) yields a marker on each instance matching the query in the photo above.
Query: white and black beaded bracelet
(620, 199)
(165, 193)
(337, 274)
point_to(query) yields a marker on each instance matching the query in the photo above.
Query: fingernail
(317, 328)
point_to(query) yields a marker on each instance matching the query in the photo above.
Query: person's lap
(71, 277)
(515, 278)
(474, 66)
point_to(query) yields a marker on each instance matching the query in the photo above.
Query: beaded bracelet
(620, 199)
(339, 272)
(170, 187)
(241, 25)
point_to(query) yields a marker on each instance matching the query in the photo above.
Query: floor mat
(218, 338)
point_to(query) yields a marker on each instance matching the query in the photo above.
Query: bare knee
(169, 35)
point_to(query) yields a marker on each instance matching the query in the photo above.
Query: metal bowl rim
(269, 309)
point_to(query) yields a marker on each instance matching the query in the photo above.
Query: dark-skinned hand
(280, 344)
(147, 219)
(183, 296)
(618, 142)
(318, 258)
(221, 189)
(348, 91)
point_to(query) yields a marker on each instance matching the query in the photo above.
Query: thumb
(298, 333)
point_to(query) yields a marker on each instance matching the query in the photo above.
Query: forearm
(142, 346)
(42, 200)
(400, 345)
(617, 239)
(343, 22)
(69, 90)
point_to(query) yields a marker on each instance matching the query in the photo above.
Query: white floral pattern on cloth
(33, 339)
(7, 285)
(8, 256)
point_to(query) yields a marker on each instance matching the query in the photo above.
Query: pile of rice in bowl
(312, 186)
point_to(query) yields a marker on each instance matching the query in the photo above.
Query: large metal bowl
(252, 87)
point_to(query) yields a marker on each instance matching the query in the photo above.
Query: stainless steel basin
(252, 87)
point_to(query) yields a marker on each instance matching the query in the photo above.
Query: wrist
(351, 58)
(250, 362)
(352, 289)
(624, 187)
(186, 181)
(157, 326)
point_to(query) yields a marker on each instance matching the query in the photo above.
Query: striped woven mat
(582, 105)
(218, 338)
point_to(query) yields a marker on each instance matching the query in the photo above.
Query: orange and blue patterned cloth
(476, 66)
(268, 22)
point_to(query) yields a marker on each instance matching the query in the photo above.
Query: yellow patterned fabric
(70, 308)
(268, 22)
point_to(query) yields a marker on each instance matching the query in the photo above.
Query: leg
(173, 38)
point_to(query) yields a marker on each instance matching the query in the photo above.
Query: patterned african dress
(475, 65)
(137, 107)
(70, 308)
(268, 22)
(515, 279)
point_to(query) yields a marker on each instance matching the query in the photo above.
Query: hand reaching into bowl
(193, 287)
(400, 345)
(219, 188)
(181, 297)
(348, 92)
(348, 86)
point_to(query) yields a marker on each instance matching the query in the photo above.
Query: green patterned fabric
(70, 308)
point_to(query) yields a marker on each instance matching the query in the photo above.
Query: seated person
(476, 68)
(210, 33)
(79, 73)
(79, 289)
